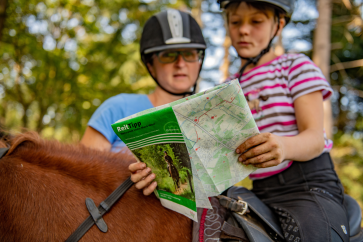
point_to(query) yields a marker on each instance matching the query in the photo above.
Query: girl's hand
(140, 175)
(262, 150)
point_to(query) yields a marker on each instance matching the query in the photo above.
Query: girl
(296, 176)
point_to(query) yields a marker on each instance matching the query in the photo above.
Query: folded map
(190, 145)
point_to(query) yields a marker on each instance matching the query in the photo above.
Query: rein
(97, 213)
(3, 152)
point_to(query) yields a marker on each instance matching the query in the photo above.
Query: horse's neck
(44, 187)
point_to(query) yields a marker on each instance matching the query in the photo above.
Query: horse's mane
(44, 185)
(79, 162)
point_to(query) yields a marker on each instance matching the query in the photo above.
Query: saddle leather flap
(253, 228)
(338, 219)
(232, 232)
(258, 207)
(354, 214)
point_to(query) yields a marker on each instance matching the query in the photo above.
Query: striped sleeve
(305, 77)
(230, 78)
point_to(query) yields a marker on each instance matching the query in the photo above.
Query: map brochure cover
(156, 139)
(190, 145)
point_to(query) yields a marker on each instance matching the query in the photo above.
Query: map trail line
(230, 102)
(236, 117)
(203, 130)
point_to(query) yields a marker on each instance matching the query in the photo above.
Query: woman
(172, 49)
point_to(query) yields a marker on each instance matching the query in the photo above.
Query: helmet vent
(176, 27)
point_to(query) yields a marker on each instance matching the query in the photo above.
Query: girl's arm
(266, 149)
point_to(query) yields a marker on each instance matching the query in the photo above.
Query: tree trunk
(224, 68)
(2, 15)
(197, 15)
(321, 53)
(197, 12)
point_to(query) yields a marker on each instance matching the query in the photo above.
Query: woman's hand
(140, 175)
(262, 150)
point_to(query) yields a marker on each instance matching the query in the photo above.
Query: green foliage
(61, 59)
(347, 43)
(348, 158)
(153, 156)
(183, 173)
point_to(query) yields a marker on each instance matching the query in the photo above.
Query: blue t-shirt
(113, 109)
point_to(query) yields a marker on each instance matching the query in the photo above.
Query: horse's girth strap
(103, 208)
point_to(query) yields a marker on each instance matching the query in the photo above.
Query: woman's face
(250, 29)
(178, 76)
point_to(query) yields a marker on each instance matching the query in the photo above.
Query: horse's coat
(44, 184)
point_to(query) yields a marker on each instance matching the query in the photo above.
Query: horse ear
(31, 138)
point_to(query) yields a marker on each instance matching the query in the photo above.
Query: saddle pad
(210, 222)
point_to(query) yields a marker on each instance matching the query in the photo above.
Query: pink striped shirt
(273, 87)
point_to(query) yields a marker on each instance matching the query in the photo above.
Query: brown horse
(44, 184)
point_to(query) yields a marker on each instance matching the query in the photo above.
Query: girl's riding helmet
(171, 29)
(287, 6)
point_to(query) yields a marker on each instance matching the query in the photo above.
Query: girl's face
(178, 76)
(250, 29)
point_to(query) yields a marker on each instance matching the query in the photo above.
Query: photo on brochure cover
(171, 165)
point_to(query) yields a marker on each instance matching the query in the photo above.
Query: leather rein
(3, 152)
(96, 213)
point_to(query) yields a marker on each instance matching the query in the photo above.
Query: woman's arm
(266, 149)
(95, 140)
(140, 174)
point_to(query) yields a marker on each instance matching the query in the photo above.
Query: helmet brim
(287, 7)
(176, 46)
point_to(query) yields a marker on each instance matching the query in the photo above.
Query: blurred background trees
(60, 59)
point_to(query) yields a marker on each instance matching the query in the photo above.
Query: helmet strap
(179, 94)
(254, 60)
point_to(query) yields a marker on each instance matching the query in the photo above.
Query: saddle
(244, 217)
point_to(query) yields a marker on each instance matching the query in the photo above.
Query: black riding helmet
(287, 6)
(170, 29)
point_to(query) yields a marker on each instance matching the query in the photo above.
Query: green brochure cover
(190, 145)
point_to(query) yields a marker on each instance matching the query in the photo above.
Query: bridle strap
(3, 152)
(103, 208)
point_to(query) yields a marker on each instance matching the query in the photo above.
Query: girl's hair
(262, 6)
